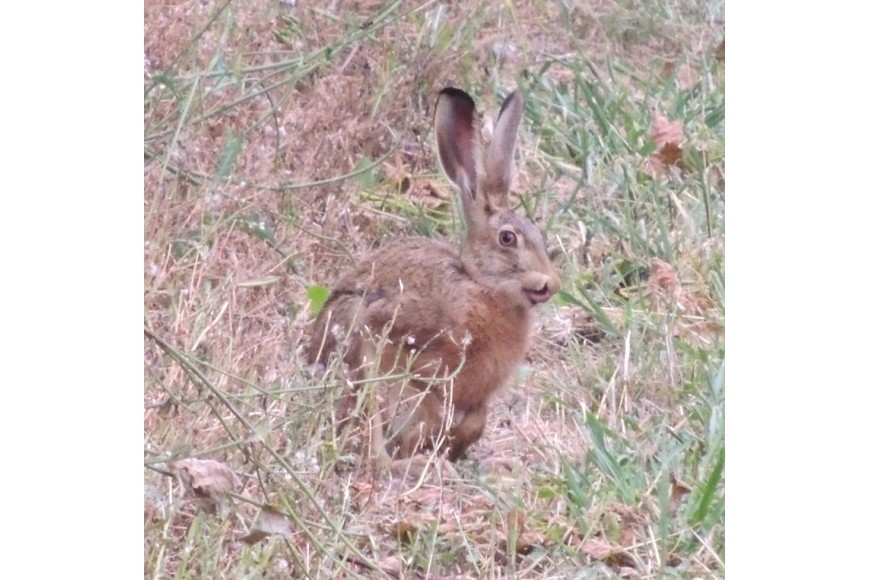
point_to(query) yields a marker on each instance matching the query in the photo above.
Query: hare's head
(504, 250)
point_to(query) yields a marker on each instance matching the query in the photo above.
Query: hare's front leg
(466, 432)
(418, 425)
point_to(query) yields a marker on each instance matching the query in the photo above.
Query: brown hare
(452, 325)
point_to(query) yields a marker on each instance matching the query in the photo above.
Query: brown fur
(422, 306)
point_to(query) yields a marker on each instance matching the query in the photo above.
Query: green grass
(280, 143)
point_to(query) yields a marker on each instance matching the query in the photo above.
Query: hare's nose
(554, 284)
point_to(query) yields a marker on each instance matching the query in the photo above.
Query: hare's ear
(499, 160)
(456, 133)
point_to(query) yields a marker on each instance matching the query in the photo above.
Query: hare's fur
(456, 324)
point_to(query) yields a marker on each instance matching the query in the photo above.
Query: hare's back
(411, 285)
(408, 264)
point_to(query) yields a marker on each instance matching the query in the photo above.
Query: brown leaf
(394, 170)
(426, 495)
(720, 52)
(654, 167)
(435, 189)
(527, 541)
(404, 531)
(270, 522)
(207, 478)
(697, 315)
(670, 154)
(678, 489)
(665, 131)
(515, 526)
(624, 523)
(664, 277)
(669, 138)
(603, 551)
(391, 565)
(500, 466)
(208, 481)
(598, 549)
(663, 288)
(430, 193)
(363, 490)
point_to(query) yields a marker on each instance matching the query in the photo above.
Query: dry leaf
(678, 489)
(665, 131)
(363, 490)
(429, 192)
(669, 138)
(720, 52)
(391, 565)
(527, 541)
(670, 154)
(664, 277)
(628, 520)
(598, 549)
(406, 528)
(404, 531)
(426, 495)
(515, 526)
(395, 171)
(500, 466)
(207, 478)
(270, 522)
(654, 167)
(435, 189)
(666, 294)
(430, 196)
(604, 551)
(663, 289)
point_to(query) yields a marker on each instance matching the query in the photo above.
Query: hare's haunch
(456, 322)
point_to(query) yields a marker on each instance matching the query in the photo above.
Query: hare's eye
(507, 238)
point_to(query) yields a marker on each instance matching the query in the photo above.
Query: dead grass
(255, 113)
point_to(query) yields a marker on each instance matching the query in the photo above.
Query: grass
(281, 141)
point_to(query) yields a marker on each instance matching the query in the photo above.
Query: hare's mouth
(539, 296)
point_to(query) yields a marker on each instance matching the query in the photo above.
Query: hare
(456, 322)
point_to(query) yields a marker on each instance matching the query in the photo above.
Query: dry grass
(282, 140)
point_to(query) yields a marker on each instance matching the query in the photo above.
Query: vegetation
(284, 140)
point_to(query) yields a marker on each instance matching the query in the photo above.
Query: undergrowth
(282, 141)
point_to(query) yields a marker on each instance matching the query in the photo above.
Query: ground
(283, 140)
